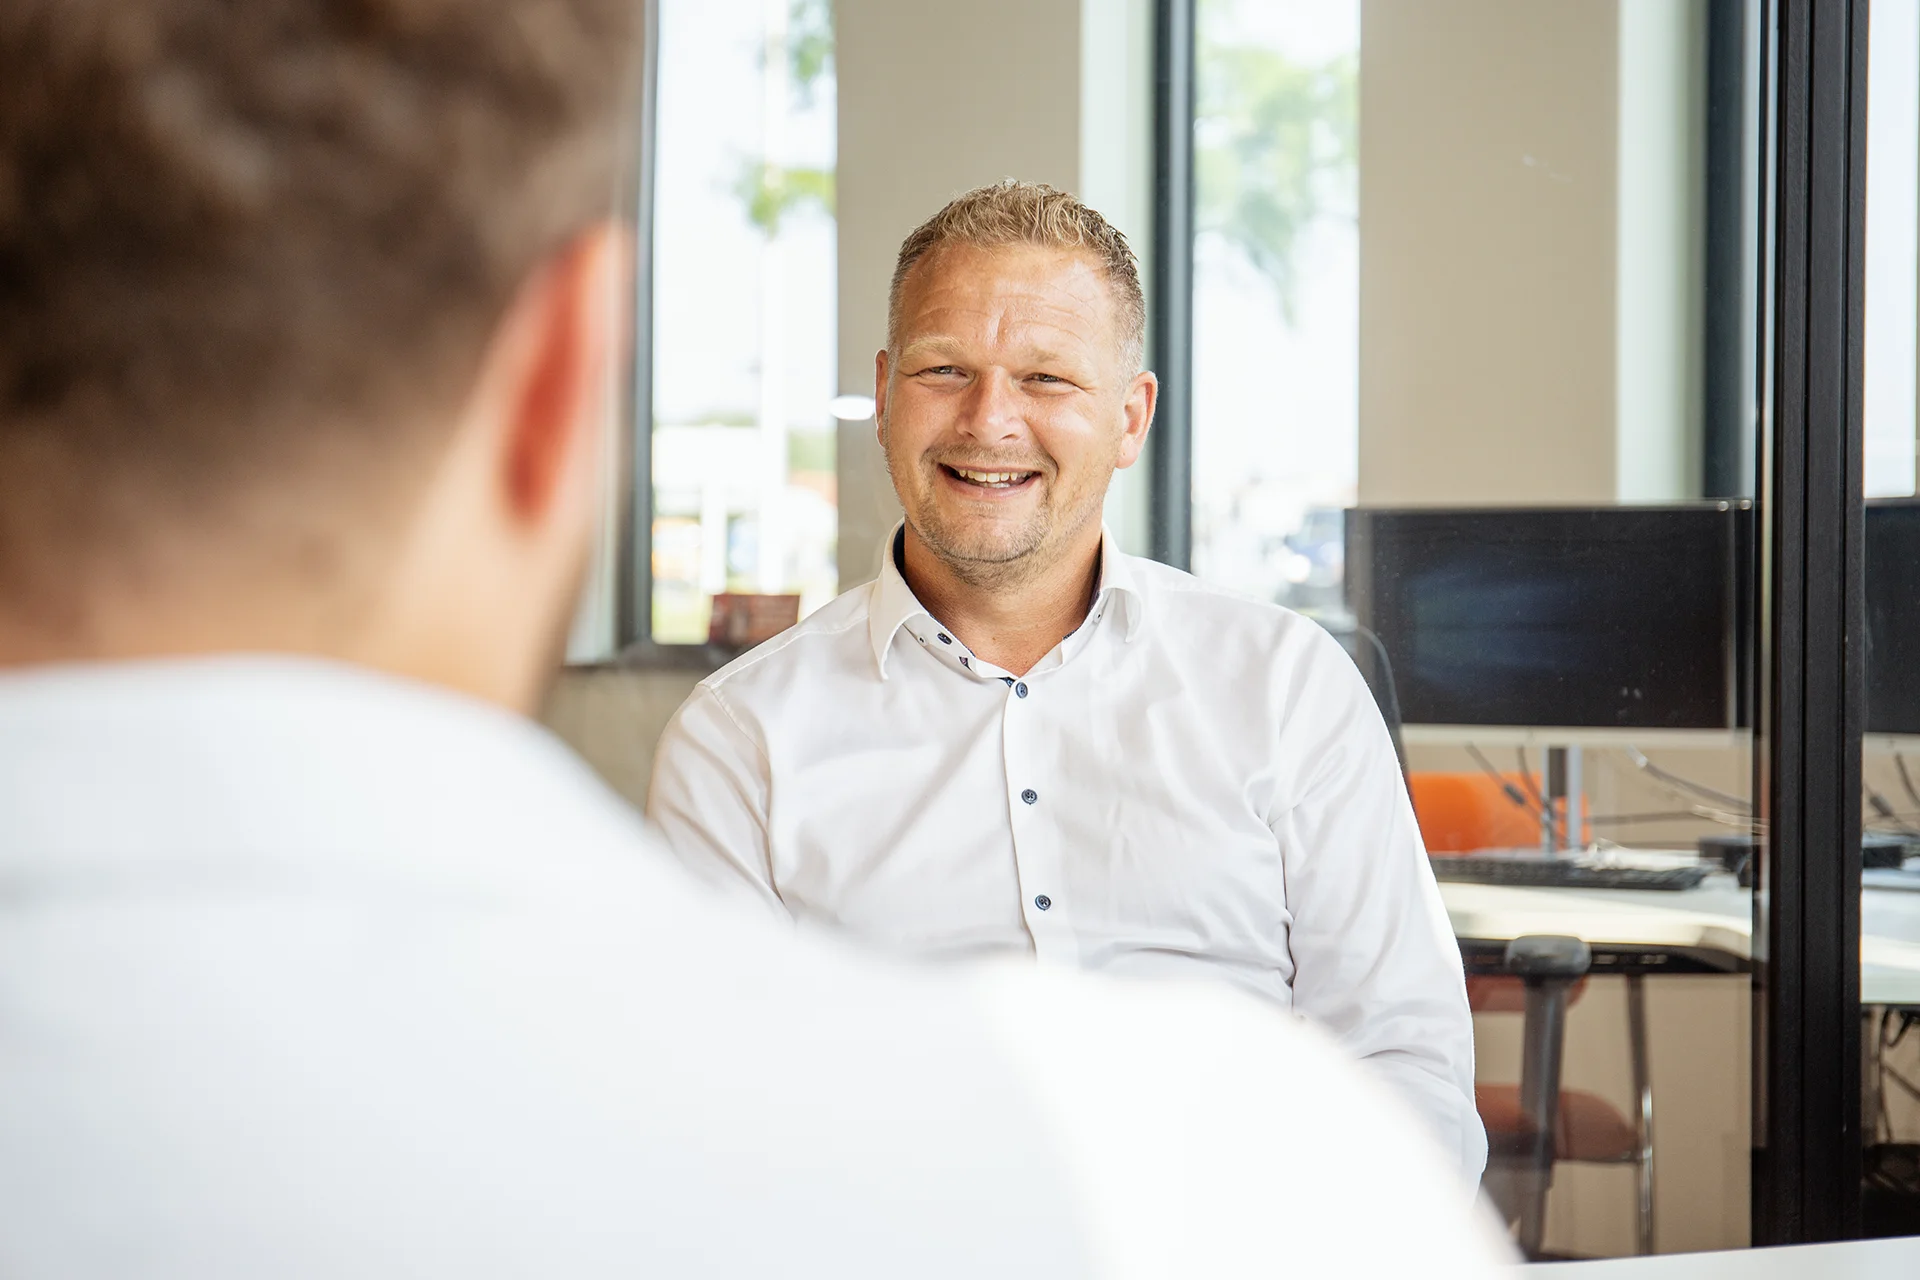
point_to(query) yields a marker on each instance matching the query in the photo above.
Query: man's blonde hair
(1023, 213)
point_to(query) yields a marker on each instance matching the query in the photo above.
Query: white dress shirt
(307, 972)
(1189, 783)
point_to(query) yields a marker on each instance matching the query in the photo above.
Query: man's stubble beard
(1010, 560)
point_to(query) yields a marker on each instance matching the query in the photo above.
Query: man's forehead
(1023, 290)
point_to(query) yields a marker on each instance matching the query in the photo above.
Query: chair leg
(1643, 1104)
(1543, 1042)
(1549, 965)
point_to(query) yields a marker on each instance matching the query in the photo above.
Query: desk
(1703, 930)
(1854, 1260)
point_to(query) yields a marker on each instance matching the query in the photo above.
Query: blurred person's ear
(551, 376)
(501, 548)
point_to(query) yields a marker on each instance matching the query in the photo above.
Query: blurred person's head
(1011, 386)
(308, 324)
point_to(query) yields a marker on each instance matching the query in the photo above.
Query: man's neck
(1014, 623)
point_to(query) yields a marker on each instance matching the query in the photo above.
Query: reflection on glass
(1890, 850)
(744, 288)
(1475, 340)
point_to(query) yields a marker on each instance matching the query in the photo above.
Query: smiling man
(1019, 738)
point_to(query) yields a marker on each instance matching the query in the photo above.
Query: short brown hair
(232, 234)
(1009, 213)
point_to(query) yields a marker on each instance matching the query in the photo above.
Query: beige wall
(1529, 225)
(614, 717)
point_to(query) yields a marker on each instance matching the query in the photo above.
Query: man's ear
(880, 370)
(553, 368)
(1138, 408)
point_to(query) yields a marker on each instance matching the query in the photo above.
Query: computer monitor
(1589, 617)
(1893, 616)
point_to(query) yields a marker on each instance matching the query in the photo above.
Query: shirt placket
(1032, 798)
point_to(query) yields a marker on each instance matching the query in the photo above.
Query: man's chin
(981, 544)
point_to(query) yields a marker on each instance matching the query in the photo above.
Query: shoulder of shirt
(840, 620)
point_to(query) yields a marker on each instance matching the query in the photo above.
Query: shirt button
(1030, 796)
(1043, 902)
(1021, 689)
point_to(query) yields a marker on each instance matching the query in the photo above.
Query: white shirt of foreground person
(309, 972)
(1190, 783)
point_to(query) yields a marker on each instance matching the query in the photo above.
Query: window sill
(647, 656)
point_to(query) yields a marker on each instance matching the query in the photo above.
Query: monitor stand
(1561, 821)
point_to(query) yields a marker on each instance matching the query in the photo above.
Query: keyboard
(1562, 873)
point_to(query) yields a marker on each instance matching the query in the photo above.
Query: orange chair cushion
(1461, 812)
(1591, 1128)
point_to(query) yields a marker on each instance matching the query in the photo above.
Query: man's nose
(993, 412)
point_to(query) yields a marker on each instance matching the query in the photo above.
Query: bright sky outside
(1276, 404)
(707, 276)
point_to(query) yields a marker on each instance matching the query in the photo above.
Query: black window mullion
(1807, 913)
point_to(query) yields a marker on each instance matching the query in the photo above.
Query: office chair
(1535, 1124)
(1461, 812)
(1548, 976)
(1370, 656)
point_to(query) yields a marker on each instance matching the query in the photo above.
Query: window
(742, 446)
(1276, 295)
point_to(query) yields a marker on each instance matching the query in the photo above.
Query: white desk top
(1717, 916)
(1855, 1260)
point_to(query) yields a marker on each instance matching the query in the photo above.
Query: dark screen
(1591, 617)
(1893, 617)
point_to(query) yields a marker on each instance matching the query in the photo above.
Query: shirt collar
(893, 604)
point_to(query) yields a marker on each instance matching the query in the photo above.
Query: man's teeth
(1001, 478)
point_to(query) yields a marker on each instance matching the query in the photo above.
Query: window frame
(633, 642)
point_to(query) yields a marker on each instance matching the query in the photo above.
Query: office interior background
(1494, 336)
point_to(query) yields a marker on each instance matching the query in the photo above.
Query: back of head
(251, 256)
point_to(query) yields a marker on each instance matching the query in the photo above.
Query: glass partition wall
(1890, 849)
(1525, 356)
(1474, 296)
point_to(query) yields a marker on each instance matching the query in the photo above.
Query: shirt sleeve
(1375, 959)
(709, 800)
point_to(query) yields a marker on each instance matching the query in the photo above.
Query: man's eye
(940, 370)
(1048, 377)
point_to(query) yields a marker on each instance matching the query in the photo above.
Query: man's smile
(983, 483)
